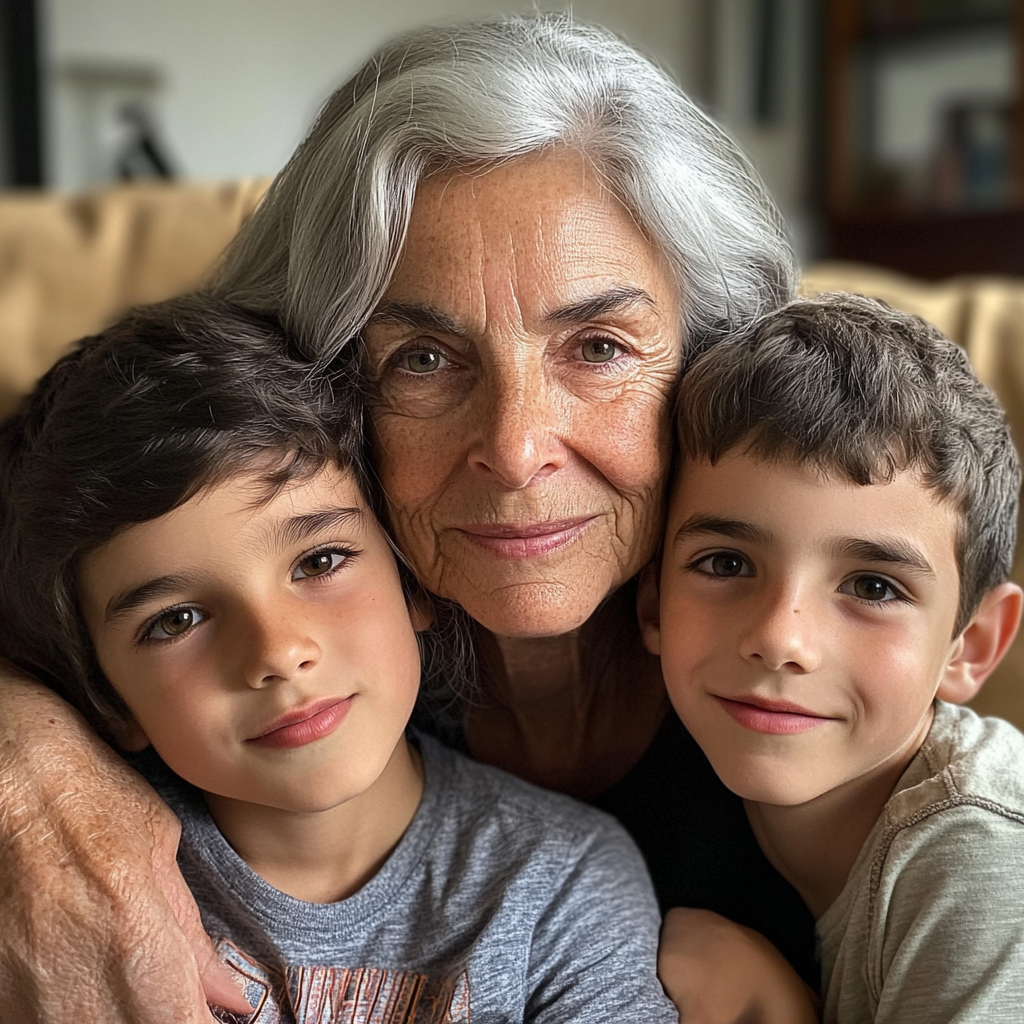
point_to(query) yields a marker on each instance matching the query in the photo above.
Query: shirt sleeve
(949, 926)
(594, 952)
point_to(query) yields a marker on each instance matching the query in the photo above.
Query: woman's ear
(648, 608)
(981, 646)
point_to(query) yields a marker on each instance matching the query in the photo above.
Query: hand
(98, 924)
(718, 972)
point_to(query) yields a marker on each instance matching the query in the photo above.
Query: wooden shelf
(929, 243)
(933, 245)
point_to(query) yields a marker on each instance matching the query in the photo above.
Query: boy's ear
(648, 608)
(128, 735)
(983, 643)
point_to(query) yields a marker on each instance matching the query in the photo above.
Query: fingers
(717, 972)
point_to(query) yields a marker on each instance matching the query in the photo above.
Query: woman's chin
(530, 610)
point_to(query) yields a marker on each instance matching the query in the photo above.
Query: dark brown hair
(854, 388)
(128, 426)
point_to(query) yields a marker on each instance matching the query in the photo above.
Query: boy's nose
(783, 635)
(280, 647)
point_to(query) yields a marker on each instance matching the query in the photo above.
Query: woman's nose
(278, 647)
(521, 432)
(782, 634)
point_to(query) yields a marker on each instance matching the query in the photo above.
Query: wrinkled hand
(717, 972)
(98, 924)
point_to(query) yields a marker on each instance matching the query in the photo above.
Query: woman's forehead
(541, 232)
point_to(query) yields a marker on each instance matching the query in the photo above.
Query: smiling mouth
(305, 725)
(526, 540)
(774, 717)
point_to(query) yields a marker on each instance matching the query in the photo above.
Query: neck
(571, 712)
(814, 845)
(326, 855)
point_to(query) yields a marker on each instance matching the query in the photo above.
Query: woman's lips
(776, 717)
(526, 540)
(306, 724)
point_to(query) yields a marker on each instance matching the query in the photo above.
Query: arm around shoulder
(90, 895)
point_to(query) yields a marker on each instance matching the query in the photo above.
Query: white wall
(243, 79)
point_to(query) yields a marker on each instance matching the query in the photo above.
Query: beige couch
(69, 265)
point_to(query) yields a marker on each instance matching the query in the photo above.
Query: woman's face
(526, 352)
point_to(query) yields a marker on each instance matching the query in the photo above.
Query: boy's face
(805, 622)
(265, 649)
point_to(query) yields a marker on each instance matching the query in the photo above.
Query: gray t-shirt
(502, 902)
(930, 926)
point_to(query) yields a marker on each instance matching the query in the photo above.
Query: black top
(701, 850)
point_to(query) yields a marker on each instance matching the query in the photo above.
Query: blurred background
(886, 129)
(137, 135)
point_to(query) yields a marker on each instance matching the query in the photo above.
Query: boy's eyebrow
(737, 529)
(296, 529)
(892, 550)
(128, 600)
(292, 530)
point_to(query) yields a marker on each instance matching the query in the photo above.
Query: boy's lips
(305, 724)
(775, 717)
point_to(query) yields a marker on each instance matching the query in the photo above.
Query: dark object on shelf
(958, 209)
(141, 156)
(971, 168)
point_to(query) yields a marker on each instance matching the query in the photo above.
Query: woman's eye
(177, 622)
(599, 350)
(871, 588)
(320, 563)
(422, 360)
(724, 564)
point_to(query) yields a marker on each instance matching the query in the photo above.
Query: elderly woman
(525, 223)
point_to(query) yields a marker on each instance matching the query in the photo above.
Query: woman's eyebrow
(737, 529)
(593, 306)
(422, 317)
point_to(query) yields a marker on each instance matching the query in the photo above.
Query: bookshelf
(922, 133)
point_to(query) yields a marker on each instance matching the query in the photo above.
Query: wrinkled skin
(112, 934)
(537, 407)
(510, 399)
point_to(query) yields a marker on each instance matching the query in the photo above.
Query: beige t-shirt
(930, 926)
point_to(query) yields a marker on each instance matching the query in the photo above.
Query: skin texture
(781, 584)
(518, 405)
(122, 925)
(247, 611)
(522, 424)
(525, 354)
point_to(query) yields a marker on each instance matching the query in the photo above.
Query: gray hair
(322, 248)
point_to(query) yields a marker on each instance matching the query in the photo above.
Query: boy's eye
(724, 564)
(174, 623)
(320, 563)
(871, 588)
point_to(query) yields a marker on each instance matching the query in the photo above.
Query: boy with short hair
(832, 586)
(189, 554)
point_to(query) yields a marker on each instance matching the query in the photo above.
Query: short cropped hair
(322, 248)
(131, 424)
(862, 391)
